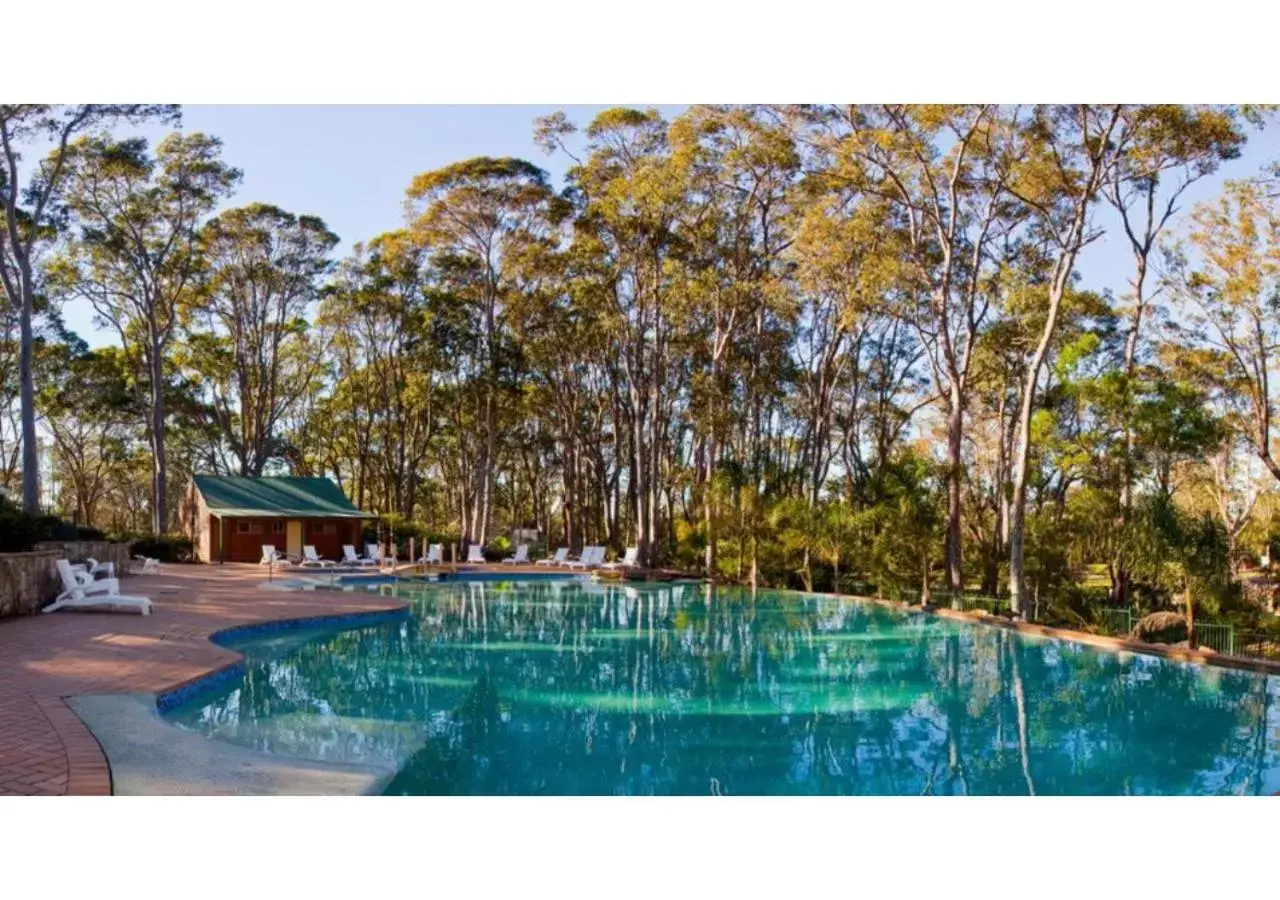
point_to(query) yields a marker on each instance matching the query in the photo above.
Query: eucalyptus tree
(30, 210)
(1169, 148)
(1224, 272)
(476, 218)
(248, 337)
(1055, 164)
(937, 170)
(87, 407)
(625, 235)
(740, 166)
(137, 256)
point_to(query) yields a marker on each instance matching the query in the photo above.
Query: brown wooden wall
(328, 536)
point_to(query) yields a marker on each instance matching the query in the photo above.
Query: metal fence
(1218, 636)
(1258, 644)
(1116, 621)
(977, 601)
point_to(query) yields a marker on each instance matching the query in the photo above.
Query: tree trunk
(159, 470)
(30, 454)
(955, 551)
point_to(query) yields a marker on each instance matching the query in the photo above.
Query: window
(242, 527)
(277, 527)
(322, 528)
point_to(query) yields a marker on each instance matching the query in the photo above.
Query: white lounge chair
(521, 558)
(476, 554)
(272, 556)
(80, 591)
(628, 560)
(95, 568)
(150, 565)
(435, 555)
(311, 558)
(351, 558)
(374, 552)
(591, 558)
(560, 556)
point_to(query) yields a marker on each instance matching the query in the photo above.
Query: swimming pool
(575, 687)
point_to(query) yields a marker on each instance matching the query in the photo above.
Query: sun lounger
(591, 558)
(311, 558)
(435, 555)
(80, 591)
(350, 557)
(95, 568)
(560, 556)
(272, 556)
(628, 560)
(150, 565)
(521, 558)
(476, 554)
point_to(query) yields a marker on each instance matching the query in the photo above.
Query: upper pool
(572, 687)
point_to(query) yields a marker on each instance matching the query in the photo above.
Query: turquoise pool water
(550, 687)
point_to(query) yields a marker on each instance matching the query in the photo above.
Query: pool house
(229, 518)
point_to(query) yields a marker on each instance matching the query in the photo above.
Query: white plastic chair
(95, 568)
(521, 558)
(628, 559)
(476, 554)
(311, 558)
(350, 557)
(591, 558)
(435, 555)
(81, 591)
(560, 556)
(150, 565)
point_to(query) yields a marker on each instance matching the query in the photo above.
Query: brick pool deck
(44, 747)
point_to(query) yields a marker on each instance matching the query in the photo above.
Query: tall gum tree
(624, 237)
(741, 167)
(1170, 148)
(478, 215)
(936, 166)
(1224, 272)
(27, 205)
(248, 335)
(1055, 165)
(137, 256)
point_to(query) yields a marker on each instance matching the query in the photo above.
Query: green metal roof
(233, 495)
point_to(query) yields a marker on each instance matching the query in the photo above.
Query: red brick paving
(44, 747)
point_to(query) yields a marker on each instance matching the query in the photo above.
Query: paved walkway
(44, 747)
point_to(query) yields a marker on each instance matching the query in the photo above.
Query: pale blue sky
(350, 165)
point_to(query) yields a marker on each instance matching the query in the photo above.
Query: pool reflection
(583, 688)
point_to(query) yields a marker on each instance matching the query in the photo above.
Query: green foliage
(20, 531)
(169, 548)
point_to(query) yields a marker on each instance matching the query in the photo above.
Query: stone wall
(102, 551)
(27, 581)
(30, 580)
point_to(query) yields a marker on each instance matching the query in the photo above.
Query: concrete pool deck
(45, 748)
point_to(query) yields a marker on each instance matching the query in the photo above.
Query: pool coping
(1105, 642)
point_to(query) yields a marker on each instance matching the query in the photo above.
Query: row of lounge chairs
(592, 557)
(310, 558)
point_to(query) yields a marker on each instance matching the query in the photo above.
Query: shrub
(1161, 628)
(20, 532)
(168, 548)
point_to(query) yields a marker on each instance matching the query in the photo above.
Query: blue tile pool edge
(218, 677)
